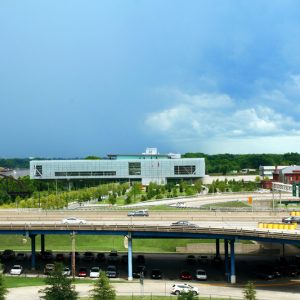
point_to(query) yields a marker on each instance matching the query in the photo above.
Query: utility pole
(73, 255)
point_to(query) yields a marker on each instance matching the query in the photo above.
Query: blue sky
(97, 77)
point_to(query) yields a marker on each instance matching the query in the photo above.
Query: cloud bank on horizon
(83, 78)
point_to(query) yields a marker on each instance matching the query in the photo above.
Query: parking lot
(255, 268)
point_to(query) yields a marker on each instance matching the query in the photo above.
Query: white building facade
(144, 167)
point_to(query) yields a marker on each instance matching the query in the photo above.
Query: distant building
(289, 175)
(146, 167)
(267, 171)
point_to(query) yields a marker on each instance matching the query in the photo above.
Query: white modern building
(146, 167)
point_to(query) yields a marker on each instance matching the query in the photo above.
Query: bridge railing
(271, 234)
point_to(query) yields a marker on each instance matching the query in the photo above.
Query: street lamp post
(73, 255)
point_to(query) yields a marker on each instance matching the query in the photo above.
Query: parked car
(73, 221)
(111, 271)
(203, 259)
(140, 259)
(139, 271)
(124, 259)
(8, 254)
(290, 220)
(59, 257)
(47, 255)
(21, 256)
(265, 275)
(82, 272)
(113, 256)
(178, 289)
(201, 274)
(101, 257)
(156, 274)
(191, 259)
(16, 270)
(66, 271)
(183, 223)
(48, 268)
(138, 213)
(95, 272)
(185, 275)
(88, 256)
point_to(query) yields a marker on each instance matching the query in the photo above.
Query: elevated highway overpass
(230, 226)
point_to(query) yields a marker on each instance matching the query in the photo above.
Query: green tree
(102, 289)
(92, 157)
(112, 199)
(187, 296)
(59, 287)
(249, 291)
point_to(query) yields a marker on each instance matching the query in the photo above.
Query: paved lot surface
(268, 292)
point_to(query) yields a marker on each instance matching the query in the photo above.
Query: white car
(95, 272)
(66, 271)
(16, 270)
(73, 221)
(178, 289)
(201, 274)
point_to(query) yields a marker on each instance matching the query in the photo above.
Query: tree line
(215, 163)
(226, 163)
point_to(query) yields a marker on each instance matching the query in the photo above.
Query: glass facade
(147, 170)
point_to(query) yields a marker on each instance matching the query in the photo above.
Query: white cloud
(218, 117)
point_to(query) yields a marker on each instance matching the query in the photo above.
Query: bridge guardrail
(294, 235)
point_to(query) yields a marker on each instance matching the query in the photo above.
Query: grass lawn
(97, 243)
(14, 282)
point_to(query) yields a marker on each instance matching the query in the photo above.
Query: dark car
(113, 256)
(290, 220)
(8, 254)
(82, 272)
(156, 274)
(47, 255)
(111, 271)
(139, 271)
(140, 259)
(185, 275)
(88, 256)
(59, 257)
(191, 259)
(124, 259)
(288, 270)
(101, 257)
(183, 223)
(265, 275)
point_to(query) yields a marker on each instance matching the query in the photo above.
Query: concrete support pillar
(42, 243)
(226, 258)
(129, 256)
(217, 247)
(32, 237)
(232, 263)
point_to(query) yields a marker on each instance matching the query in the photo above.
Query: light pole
(73, 254)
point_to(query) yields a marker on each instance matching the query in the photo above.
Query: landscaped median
(278, 226)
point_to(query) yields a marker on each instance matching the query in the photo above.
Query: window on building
(86, 173)
(184, 170)
(134, 168)
(38, 171)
